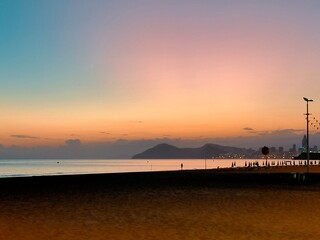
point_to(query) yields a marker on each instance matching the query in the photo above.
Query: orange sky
(107, 71)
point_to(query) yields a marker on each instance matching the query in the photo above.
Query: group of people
(277, 163)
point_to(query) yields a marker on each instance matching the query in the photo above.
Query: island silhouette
(209, 150)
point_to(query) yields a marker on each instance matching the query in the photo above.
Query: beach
(212, 204)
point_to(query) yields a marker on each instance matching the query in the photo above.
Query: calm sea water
(40, 167)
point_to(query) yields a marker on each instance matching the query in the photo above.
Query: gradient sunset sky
(107, 70)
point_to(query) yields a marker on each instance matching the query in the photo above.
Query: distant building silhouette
(304, 143)
(294, 148)
(273, 150)
(281, 150)
(314, 149)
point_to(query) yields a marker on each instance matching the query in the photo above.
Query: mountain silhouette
(166, 151)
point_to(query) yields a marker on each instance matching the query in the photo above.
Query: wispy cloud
(73, 142)
(279, 132)
(74, 135)
(23, 136)
(263, 133)
(107, 133)
(289, 131)
(248, 129)
(123, 148)
(136, 121)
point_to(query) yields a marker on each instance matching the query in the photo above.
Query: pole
(308, 156)
(308, 151)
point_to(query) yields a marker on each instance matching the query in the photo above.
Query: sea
(46, 167)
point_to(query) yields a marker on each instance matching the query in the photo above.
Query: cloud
(263, 133)
(105, 133)
(136, 121)
(284, 132)
(279, 132)
(122, 148)
(292, 131)
(23, 136)
(73, 142)
(74, 135)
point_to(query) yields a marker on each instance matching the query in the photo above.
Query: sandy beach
(170, 205)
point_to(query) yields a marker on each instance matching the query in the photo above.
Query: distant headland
(167, 151)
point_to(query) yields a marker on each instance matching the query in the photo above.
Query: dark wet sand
(223, 204)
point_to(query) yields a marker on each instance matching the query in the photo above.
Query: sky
(193, 70)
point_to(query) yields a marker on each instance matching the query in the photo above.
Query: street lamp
(308, 152)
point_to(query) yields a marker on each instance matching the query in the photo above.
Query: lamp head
(307, 100)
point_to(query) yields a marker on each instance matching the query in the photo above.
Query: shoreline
(218, 178)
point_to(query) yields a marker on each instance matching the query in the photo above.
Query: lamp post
(308, 152)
